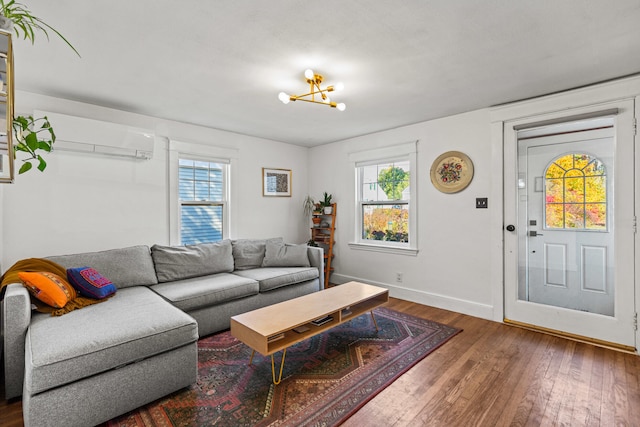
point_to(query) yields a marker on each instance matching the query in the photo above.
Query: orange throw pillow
(49, 288)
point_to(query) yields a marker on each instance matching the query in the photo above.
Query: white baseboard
(444, 302)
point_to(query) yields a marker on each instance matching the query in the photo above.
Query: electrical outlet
(399, 277)
(482, 203)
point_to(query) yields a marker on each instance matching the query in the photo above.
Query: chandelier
(316, 94)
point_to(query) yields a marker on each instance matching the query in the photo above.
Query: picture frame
(451, 172)
(276, 182)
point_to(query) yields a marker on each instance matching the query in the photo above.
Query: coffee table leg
(251, 358)
(374, 321)
(273, 368)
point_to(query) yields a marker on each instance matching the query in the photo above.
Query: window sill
(385, 249)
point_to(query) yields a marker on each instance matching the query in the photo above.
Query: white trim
(554, 109)
(399, 250)
(383, 153)
(405, 151)
(200, 150)
(444, 302)
(197, 151)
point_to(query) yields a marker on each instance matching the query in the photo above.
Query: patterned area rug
(326, 379)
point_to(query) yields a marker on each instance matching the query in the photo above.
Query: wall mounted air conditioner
(95, 136)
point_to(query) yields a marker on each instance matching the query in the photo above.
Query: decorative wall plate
(452, 172)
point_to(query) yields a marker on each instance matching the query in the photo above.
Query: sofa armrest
(316, 259)
(15, 310)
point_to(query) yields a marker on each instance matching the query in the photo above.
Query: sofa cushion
(132, 325)
(89, 283)
(48, 287)
(206, 291)
(125, 267)
(276, 277)
(279, 254)
(184, 262)
(248, 253)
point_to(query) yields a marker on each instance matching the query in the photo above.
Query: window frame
(207, 202)
(200, 152)
(391, 154)
(584, 201)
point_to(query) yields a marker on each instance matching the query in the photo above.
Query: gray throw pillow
(183, 262)
(249, 253)
(277, 254)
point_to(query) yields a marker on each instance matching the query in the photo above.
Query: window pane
(196, 178)
(385, 181)
(596, 216)
(555, 171)
(574, 190)
(596, 189)
(386, 222)
(576, 193)
(200, 224)
(554, 216)
(574, 216)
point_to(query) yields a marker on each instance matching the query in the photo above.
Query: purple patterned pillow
(90, 283)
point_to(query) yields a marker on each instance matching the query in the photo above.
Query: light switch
(481, 202)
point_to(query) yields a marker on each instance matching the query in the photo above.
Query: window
(576, 193)
(385, 217)
(384, 201)
(202, 195)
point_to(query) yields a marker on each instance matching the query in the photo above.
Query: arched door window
(576, 193)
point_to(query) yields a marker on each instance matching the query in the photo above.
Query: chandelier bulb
(338, 86)
(284, 97)
(309, 74)
(341, 106)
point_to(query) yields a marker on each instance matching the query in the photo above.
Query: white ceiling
(222, 63)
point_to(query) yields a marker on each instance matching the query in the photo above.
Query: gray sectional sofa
(90, 365)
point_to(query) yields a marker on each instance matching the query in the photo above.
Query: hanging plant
(32, 136)
(26, 25)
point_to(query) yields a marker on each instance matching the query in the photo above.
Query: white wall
(86, 202)
(459, 265)
(453, 266)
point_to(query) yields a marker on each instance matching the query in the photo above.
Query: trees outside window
(384, 200)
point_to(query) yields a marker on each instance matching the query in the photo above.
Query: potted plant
(20, 19)
(33, 135)
(17, 17)
(326, 203)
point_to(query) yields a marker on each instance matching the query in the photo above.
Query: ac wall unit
(95, 136)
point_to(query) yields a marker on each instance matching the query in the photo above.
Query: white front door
(569, 224)
(569, 228)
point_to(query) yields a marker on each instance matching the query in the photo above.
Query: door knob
(511, 227)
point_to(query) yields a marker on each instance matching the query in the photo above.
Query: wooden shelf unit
(325, 238)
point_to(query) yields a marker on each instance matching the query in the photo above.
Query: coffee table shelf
(270, 329)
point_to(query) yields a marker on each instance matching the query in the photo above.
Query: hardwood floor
(495, 375)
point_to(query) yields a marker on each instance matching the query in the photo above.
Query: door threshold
(573, 337)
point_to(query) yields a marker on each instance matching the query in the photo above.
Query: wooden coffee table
(271, 329)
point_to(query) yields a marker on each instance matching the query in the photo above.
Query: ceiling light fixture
(314, 81)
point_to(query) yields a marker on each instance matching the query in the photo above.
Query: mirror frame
(7, 94)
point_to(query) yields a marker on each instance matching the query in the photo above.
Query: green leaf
(31, 140)
(45, 145)
(24, 123)
(42, 165)
(21, 147)
(25, 167)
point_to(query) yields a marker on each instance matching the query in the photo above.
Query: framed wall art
(452, 172)
(276, 182)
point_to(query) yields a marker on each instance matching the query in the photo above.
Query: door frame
(618, 329)
(565, 104)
